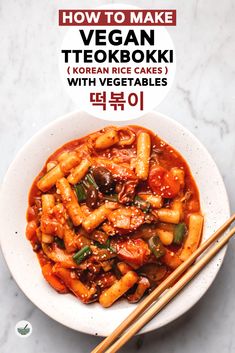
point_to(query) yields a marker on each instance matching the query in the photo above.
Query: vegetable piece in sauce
(163, 182)
(154, 272)
(179, 233)
(127, 191)
(80, 192)
(104, 180)
(133, 251)
(142, 204)
(127, 218)
(142, 285)
(31, 230)
(59, 242)
(52, 279)
(85, 294)
(82, 254)
(156, 247)
(112, 198)
(90, 181)
(107, 245)
(58, 255)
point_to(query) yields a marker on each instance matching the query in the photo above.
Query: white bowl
(22, 261)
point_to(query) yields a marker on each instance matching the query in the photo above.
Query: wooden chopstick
(170, 280)
(170, 294)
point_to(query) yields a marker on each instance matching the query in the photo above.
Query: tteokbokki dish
(112, 214)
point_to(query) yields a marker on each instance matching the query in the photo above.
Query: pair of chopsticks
(134, 322)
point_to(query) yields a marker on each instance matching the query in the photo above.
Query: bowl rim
(222, 253)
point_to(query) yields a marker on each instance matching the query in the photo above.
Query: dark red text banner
(117, 17)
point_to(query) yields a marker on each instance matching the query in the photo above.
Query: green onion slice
(107, 246)
(82, 254)
(112, 198)
(80, 192)
(90, 181)
(179, 233)
(59, 242)
(142, 204)
(156, 246)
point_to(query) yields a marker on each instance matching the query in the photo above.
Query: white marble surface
(202, 99)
